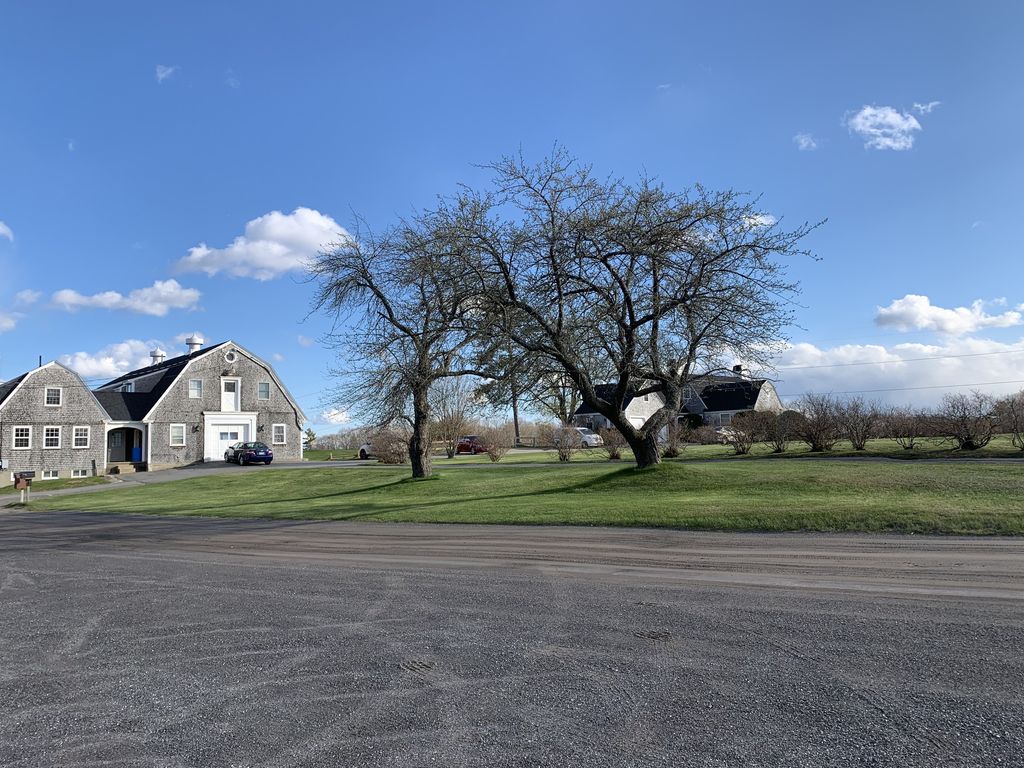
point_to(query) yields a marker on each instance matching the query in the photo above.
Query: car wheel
(267, 462)
(363, 455)
(241, 461)
(472, 451)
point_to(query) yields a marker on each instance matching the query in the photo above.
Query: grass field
(735, 495)
(58, 484)
(1000, 447)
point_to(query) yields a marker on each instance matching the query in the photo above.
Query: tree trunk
(645, 450)
(515, 413)
(419, 442)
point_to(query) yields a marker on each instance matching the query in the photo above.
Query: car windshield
(254, 446)
(585, 431)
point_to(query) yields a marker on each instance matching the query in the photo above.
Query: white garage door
(229, 434)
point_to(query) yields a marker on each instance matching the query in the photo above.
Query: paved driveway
(137, 641)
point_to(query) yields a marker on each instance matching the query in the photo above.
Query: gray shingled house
(177, 411)
(191, 408)
(51, 422)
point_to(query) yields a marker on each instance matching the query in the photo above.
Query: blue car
(249, 453)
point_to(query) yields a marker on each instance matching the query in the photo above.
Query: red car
(471, 444)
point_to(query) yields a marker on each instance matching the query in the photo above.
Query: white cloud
(304, 341)
(5, 231)
(805, 142)
(902, 374)
(163, 72)
(272, 245)
(277, 357)
(334, 416)
(8, 321)
(884, 127)
(71, 145)
(27, 296)
(926, 108)
(157, 300)
(231, 81)
(759, 220)
(112, 360)
(664, 86)
(917, 313)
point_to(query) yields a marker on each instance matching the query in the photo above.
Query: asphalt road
(133, 641)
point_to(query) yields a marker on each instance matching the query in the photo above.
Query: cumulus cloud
(805, 142)
(157, 300)
(6, 232)
(304, 341)
(272, 245)
(917, 313)
(884, 127)
(26, 297)
(163, 71)
(926, 108)
(112, 360)
(902, 374)
(334, 416)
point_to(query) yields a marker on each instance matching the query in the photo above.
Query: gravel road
(135, 641)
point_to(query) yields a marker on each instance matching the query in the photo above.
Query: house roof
(171, 369)
(9, 386)
(126, 406)
(736, 395)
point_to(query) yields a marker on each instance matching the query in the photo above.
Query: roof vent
(742, 371)
(194, 344)
(158, 356)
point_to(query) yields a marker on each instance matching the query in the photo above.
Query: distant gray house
(51, 422)
(714, 399)
(177, 411)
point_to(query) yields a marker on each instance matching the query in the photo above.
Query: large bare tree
(399, 314)
(628, 284)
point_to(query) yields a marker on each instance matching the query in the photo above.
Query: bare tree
(498, 439)
(399, 314)
(859, 421)
(775, 430)
(613, 443)
(455, 407)
(819, 425)
(1010, 412)
(628, 284)
(969, 421)
(905, 426)
(567, 441)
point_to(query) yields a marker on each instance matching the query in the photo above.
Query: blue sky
(164, 169)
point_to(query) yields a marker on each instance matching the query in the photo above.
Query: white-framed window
(51, 437)
(22, 437)
(54, 396)
(726, 419)
(263, 390)
(80, 438)
(79, 472)
(177, 435)
(279, 434)
(128, 386)
(195, 388)
(50, 474)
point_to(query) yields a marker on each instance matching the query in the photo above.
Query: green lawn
(733, 495)
(58, 484)
(1000, 447)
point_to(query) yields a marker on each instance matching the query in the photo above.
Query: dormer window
(128, 386)
(54, 396)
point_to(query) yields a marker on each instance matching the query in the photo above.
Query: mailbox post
(23, 483)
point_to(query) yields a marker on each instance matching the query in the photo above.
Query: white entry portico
(221, 429)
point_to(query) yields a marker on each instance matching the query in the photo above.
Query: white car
(588, 438)
(366, 451)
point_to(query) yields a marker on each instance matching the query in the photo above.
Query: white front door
(229, 434)
(230, 395)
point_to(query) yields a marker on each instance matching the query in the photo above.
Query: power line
(910, 389)
(901, 360)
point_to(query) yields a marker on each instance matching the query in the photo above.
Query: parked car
(249, 453)
(471, 444)
(588, 438)
(366, 451)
